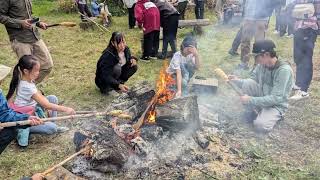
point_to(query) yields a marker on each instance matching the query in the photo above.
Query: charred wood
(178, 114)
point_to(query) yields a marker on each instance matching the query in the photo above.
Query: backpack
(303, 11)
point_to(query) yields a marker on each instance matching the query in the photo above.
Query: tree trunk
(178, 114)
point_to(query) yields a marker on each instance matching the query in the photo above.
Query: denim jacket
(7, 114)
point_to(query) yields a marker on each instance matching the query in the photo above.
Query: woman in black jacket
(115, 66)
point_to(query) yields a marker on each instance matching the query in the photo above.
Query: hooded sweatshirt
(166, 9)
(275, 84)
(147, 16)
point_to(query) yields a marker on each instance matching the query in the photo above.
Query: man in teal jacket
(268, 89)
(8, 115)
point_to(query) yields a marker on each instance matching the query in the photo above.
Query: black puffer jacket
(107, 61)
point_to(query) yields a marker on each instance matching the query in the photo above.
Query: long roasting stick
(27, 122)
(222, 75)
(65, 24)
(140, 121)
(64, 161)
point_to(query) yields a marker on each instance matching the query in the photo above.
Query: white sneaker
(275, 32)
(299, 95)
(295, 88)
(61, 129)
(290, 36)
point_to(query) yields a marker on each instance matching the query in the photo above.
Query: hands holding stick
(230, 80)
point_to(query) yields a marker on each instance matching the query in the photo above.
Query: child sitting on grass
(31, 101)
(183, 65)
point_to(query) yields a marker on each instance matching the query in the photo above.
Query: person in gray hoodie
(267, 90)
(169, 20)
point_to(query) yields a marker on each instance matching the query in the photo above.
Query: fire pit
(164, 138)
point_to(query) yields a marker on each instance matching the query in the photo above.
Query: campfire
(163, 93)
(168, 142)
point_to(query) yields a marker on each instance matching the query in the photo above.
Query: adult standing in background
(307, 25)
(199, 9)
(169, 20)
(83, 9)
(24, 35)
(181, 6)
(288, 25)
(130, 4)
(148, 19)
(255, 23)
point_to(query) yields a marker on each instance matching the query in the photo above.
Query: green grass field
(75, 53)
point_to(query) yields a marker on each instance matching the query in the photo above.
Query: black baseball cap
(263, 46)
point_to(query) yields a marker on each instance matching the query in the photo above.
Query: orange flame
(152, 117)
(163, 94)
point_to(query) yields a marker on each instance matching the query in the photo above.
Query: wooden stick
(85, 112)
(27, 122)
(64, 161)
(140, 121)
(102, 28)
(65, 24)
(222, 75)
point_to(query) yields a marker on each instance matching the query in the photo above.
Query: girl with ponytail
(31, 101)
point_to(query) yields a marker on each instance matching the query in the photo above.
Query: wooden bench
(194, 22)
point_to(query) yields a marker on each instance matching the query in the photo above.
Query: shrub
(67, 6)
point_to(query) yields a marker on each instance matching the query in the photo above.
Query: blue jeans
(187, 72)
(47, 128)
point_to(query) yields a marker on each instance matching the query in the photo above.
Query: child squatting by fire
(183, 65)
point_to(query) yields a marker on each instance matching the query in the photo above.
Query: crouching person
(183, 65)
(115, 66)
(8, 115)
(268, 89)
(31, 101)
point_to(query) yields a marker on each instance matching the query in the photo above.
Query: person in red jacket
(148, 18)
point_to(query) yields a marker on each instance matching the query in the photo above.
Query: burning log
(109, 151)
(178, 114)
(135, 101)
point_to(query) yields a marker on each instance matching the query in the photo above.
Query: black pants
(120, 73)
(199, 9)
(287, 25)
(6, 136)
(237, 41)
(303, 45)
(170, 28)
(151, 44)
(83, 9)
(132, 19)
(227, 15)
(123, 73)
(182, 9)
